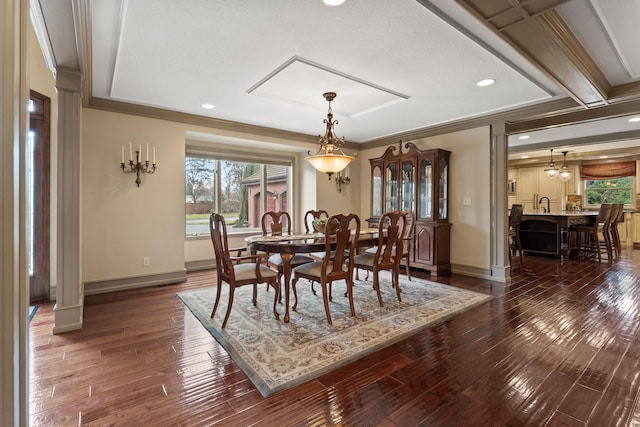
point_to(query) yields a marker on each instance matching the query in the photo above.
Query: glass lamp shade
(552, 172)
(330, 163)
(565, 174)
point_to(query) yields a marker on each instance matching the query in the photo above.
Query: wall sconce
(342, 178)
(274, 195)
(138, 167)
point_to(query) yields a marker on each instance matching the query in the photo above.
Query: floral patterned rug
(277, 355)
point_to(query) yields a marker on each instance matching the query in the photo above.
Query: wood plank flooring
(559, 346)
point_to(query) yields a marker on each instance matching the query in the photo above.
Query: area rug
(277, 355)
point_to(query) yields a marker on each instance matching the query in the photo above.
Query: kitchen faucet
(548, 208)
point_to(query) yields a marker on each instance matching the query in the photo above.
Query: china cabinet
(416, 180)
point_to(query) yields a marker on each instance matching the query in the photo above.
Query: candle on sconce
(138, 165)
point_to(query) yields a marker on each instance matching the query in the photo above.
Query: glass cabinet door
(426, 188)
(408, 186)
(391, 192)
(443, 189)
(376, 191)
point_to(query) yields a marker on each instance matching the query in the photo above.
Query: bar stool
(515, 217)
(588, 236)
(617, 216)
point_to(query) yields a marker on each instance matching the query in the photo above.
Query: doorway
(38, 189)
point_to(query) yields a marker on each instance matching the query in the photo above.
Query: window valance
(608, 170)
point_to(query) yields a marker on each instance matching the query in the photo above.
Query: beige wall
(122, 223)
(469, 177)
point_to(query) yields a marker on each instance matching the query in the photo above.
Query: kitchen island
(545, 233)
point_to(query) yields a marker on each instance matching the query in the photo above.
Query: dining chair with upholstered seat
(407, 241)
(339, 266)
(391, 231)
(236, 274)
(515, 218)
(278, 224)
(310, 216)
(407, 244)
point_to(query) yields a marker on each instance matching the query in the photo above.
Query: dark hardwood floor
(559, 346)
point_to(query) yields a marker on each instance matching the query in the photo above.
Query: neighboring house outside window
(233, 189)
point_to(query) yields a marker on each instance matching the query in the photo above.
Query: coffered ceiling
(400, 69)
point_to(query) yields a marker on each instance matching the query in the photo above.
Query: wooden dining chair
(407, 241)
(407, 244)
(336, 267)
(237, 274)
(278, 224)
(312, 215)
(391, 231)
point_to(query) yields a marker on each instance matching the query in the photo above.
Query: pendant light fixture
(330, 158)
(565, 173)
(551, 170)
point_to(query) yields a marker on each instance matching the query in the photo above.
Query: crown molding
(538, 110)
(617, 109)
(194, 119)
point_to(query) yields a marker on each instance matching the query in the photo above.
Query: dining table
(287, 245)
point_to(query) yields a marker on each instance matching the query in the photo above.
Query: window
(239, 190)
(618, 190)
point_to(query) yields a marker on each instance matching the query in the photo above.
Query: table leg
(286, 265)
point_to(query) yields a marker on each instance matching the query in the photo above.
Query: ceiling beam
(619, 109)
(538, 32)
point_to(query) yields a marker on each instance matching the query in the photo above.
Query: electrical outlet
(466, 201)
(146, 261)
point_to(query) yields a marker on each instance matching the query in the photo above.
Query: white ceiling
(396, 66)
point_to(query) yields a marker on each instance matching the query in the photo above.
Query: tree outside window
(617, 190)
(239, 187)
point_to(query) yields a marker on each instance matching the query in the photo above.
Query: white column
(500, 267)
(69, 293)
(14, 291)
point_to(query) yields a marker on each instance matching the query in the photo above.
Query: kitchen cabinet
(573, 185)
(418, 181)
(635, 224)
(547, 234)
(534, 184)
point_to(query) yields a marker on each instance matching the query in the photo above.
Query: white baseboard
(67, 318)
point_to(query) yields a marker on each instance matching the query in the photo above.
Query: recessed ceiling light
(208, 106)
(604, 157)
(333, 2)
(486, 82)
(524, 157)
(523, 137)
(634, 119)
